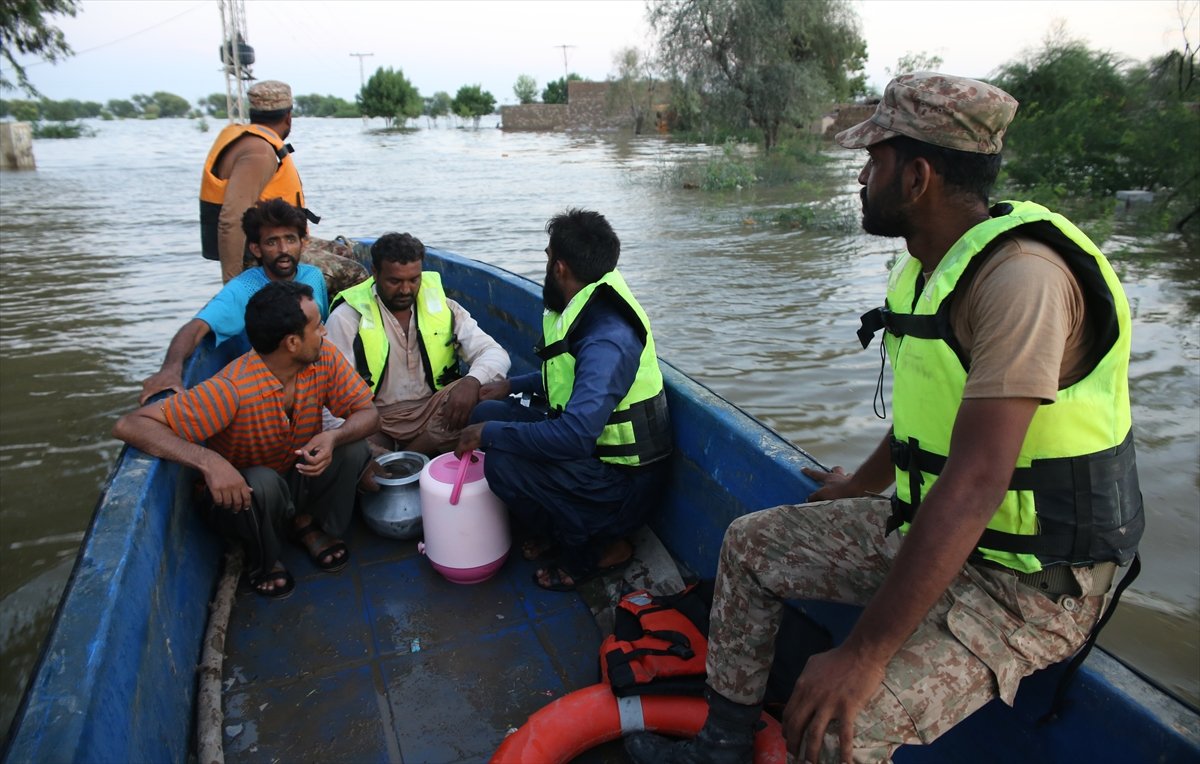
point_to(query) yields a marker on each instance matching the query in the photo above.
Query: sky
(125, 47)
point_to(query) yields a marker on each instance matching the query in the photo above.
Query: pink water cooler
(466, 525)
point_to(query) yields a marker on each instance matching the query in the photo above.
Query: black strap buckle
(901, 454)
(869, 323)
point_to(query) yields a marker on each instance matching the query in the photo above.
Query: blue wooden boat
(387, 661)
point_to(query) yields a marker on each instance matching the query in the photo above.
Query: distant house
(589, 107)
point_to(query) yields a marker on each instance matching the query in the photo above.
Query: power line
(126, 37)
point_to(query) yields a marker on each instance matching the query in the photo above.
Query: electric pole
(564, 50)
(362, 78)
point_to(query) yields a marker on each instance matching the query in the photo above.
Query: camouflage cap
(270, 95)
(952, 112)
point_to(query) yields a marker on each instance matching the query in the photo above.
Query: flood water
(100, 264)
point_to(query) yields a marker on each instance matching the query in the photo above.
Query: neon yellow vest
(639, 430)
(1074, 495)
(435, 323)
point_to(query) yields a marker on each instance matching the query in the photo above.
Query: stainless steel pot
(395, 512)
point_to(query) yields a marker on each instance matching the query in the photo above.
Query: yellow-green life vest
(1074, 496)
(435, 324)
(639, 430)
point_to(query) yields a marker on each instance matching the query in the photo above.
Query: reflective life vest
(1074, 495)
(639, 430)
(285, 183)
(435, 324)
(658, 645)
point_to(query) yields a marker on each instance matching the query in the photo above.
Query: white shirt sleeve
(488, 361)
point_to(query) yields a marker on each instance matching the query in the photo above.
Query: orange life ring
(577, 722)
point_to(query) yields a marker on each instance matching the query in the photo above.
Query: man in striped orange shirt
(270, 471)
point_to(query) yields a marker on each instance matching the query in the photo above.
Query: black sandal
(274, 575)
(334, 563)
(558, 570)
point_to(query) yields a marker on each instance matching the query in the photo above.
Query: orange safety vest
(285, 183)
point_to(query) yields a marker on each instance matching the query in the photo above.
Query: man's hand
(159, 381)
(494, 391)
(461, 398)
(836, 484)
(316, 455)
(834, 685)
(469, 439)
(227, 486)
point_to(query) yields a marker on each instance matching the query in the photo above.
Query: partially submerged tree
(634, 86)
(125, 109)
(473, 102)
(438, 105)
(390, 95)
(25, 31)
(783, 60)
(556, 90)
(525, 89)
(316, 105)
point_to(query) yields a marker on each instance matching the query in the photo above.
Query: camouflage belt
(1058, 580)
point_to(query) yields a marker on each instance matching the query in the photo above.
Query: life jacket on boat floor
(584, 719)
(658, 645)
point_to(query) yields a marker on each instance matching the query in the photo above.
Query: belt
(1059, 580)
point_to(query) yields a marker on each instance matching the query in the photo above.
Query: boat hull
(116, 680)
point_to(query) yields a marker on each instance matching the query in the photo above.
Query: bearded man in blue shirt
(579, 471)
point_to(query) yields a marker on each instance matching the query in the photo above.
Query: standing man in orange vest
(248, 163)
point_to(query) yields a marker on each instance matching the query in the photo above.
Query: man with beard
(1011, 451)
(581, 475)
(269, 470)
(246, 164)
(276, 233)
(406, 339)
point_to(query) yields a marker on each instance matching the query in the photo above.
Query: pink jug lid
(444, 468)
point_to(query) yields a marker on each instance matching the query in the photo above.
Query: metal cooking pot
(395, 512)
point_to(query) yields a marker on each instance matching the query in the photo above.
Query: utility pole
(362, 78)
(564, 50)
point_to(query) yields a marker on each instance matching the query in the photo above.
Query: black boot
(727, 737)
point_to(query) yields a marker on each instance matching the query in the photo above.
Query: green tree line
(390, 95)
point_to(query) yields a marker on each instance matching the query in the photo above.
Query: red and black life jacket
(658, 645)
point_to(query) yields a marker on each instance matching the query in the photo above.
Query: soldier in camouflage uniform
(948, 624)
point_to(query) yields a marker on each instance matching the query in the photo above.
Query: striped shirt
(239, 411)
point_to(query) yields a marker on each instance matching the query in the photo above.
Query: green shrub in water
(61, 130)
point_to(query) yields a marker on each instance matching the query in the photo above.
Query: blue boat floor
(386, 661)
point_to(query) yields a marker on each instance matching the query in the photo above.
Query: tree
(915, 62)
(171, 105)
(473, 101)
(437, 105)
(212, 104)
(390, 95)
(25, 31)
(315, 105)
(783, 60)
(56, 111)
(556, 90)
(122, 109)
(634, 86)
(24, 111)
(1072, 117)
(526, 89)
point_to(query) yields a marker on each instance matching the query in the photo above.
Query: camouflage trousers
(979, 640)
